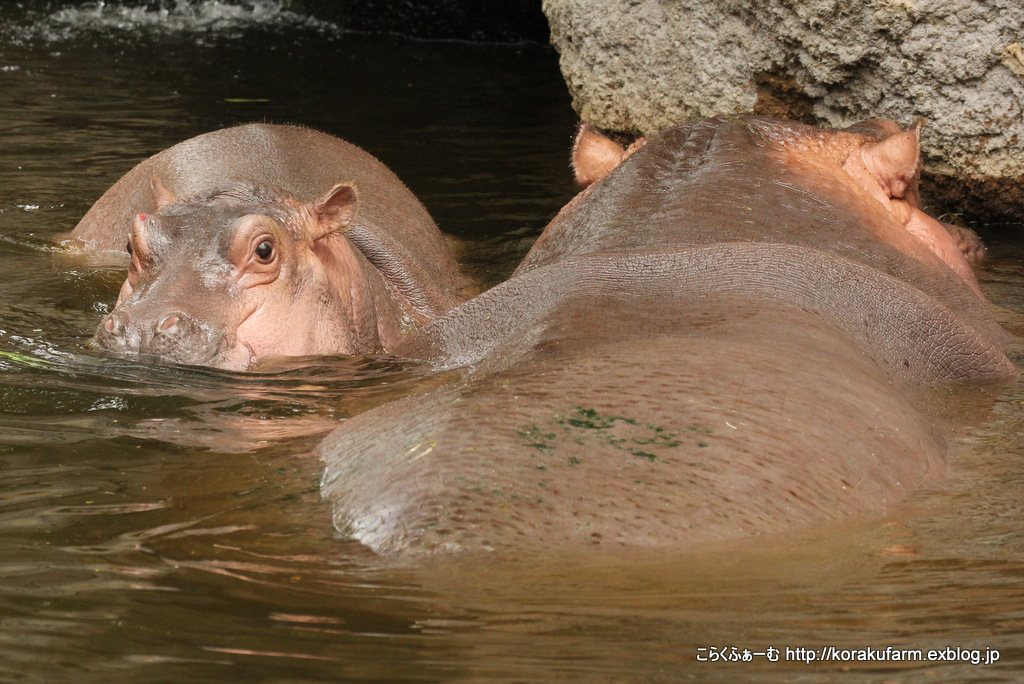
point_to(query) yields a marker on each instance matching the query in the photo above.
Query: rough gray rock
(639, 66)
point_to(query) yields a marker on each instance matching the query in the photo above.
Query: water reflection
(104, 397)
(163, 524)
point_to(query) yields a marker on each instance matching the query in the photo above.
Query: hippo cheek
(276, 331)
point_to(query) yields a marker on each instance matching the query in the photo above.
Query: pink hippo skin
(265, 240)
(728, 333)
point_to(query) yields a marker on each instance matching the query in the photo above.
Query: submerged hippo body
(265, 240)
(725, 335)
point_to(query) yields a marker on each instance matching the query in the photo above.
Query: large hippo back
(721, 338)
(391, 228)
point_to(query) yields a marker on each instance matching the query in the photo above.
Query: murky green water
(165, 525)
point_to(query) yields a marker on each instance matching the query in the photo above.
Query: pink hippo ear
(895, 161)
(335, 210)
(161, 195)
(595, 155)
(888, 171)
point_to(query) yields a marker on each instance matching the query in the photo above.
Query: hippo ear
(335, 210)
(895, 161)
(594, 155)
(161, 195)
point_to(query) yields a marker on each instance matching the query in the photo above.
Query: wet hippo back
(725, 336)
(391, 228)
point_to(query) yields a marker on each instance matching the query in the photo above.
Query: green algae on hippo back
(725, 334)
(343, 258)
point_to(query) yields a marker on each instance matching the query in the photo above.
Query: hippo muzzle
(174, 337)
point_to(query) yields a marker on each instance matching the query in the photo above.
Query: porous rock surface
(640, 66)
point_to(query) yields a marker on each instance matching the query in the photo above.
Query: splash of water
(165, 18)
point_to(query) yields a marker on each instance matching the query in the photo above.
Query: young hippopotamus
(265, 240)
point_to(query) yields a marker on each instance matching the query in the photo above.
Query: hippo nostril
(115, 324)
(169, 323)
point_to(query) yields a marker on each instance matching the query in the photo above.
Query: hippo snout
(172, 336)
(114, 334)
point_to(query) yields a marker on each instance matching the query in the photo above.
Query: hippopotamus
(737, 328)
(266, 240)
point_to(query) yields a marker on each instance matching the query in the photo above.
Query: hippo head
(241, 273)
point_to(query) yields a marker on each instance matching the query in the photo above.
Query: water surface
(164, 524)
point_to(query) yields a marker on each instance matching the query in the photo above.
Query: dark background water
(163, 524)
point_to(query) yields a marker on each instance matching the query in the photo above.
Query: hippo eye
(264, 251)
